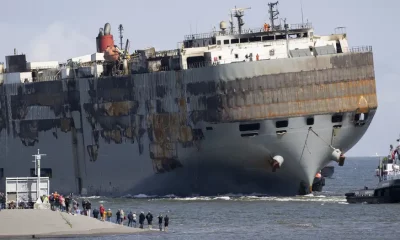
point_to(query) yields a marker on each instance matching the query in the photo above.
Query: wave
(235, 197)
(308, 198)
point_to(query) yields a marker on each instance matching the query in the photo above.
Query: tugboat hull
(386, 192)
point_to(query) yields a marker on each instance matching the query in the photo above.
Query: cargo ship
(235, 110)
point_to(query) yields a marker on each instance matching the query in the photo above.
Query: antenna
(302, 18)
(231, 23)
(273, 14)
(238, 13)
(121, 30)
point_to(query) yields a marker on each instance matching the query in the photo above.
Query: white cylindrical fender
(336, 155)
(279, 159)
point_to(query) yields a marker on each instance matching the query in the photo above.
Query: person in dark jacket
(141, 219)
(88, 208)
(130, 219)
(118, 214)
(149, 218)
(67, 202)
(160, 218)
(96, 213)
(84, 204)
(166, 222)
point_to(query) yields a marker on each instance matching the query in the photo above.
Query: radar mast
(273, 14)
(238, 13)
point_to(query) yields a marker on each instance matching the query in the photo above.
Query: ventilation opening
(337, 118)
(310, 121)
(282, 124)
(209, 128)
(44, 172)
(249, 134)
(249, 127)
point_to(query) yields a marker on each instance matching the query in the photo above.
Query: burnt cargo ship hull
(209, 130)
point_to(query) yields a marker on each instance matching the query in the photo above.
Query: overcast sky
(58, 30)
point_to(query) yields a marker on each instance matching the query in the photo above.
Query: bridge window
(244, 40)
(44, 172)
(267, 38)
(233, 41)
(226, 41)
(255, 39)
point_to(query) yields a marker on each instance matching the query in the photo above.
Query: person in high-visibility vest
(266, 27)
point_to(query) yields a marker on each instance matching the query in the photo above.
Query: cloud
(59, 42)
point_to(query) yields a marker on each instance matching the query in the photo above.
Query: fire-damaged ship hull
(209, 130)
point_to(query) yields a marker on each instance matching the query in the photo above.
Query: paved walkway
(46, 223)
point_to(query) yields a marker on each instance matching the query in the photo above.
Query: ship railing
(358, 49)
(298, 26)
(208, 35)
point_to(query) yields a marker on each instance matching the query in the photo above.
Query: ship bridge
(223, 37)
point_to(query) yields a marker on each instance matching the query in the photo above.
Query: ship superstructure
(231, 111)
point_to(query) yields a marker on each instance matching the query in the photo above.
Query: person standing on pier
(109, 215)
(88, 208)
(166, 222)
(2, 198)
(67, 203)
(134, 219)
(75, 206)
(118, 214)
(141, 219)
(130, 219)
(122, 217)
(149, 218)
(84, 204)
(160, 219)
(61, 199)
(96, 213)
(102, 212)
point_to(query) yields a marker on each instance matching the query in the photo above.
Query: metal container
(105, 41)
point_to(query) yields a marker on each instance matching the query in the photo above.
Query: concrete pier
(29, 223)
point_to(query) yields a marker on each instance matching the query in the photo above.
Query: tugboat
(388, 189)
